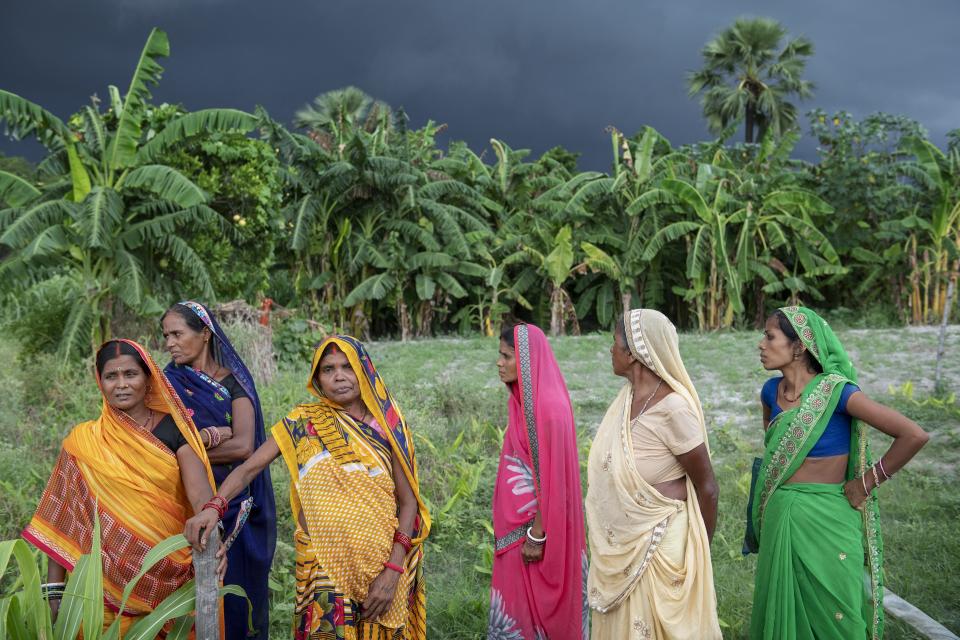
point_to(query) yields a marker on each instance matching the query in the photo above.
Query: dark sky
(535, 73)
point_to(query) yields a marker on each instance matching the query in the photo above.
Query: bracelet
(394, 567)
(533, 539)
(213, 437)
(403, 540)
(876, 476)
(215, 507)
(53, 590)
(217, 503)
(863, 481)
(882, 470)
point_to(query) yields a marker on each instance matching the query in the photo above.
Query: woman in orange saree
(141, 469)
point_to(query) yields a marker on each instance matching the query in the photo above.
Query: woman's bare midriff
(673, 489)
(829, 470)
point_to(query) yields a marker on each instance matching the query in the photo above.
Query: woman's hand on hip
(853, 490)
(380, 595)
(531, 552)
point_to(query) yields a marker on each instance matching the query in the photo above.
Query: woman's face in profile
(776, 351)
(621, 360)
(507, 363)
(182, 343)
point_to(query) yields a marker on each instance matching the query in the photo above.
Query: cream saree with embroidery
(650, 572)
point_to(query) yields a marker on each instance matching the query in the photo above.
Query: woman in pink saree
(540, 560)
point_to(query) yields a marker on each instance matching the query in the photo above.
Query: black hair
(506, 334)
(116, 348)
(787, 328)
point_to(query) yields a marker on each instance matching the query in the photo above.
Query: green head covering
(820, 340)
(791, 436)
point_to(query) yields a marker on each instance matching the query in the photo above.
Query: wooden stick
(208, 606)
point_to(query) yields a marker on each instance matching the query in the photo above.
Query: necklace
(790, 400)
(363, 415)
(650, 397)
(145, 422)
(212, 376)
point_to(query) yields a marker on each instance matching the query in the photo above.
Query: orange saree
(113, 467)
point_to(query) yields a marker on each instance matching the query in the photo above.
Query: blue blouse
(835, 440)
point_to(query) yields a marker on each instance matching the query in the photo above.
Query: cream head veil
(653, 341)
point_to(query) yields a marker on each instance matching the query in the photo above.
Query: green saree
(813, 546)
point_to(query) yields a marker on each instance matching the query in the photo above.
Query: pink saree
(539, 470)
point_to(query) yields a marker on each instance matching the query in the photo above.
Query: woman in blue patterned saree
(218, 390)
(815, 509)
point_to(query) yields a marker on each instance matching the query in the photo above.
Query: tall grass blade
(155, 555)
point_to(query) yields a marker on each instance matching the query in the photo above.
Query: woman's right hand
(531, 552)
(198, 527)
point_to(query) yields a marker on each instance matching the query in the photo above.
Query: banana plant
(714, 284)
(108, 219)
(934, 174)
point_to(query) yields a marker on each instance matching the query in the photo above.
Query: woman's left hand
(222, 563)
(380, 595)
(531, 552)
(853, 490)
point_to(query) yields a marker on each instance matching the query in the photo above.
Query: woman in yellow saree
(652, 497)
(354, 491)
(141, 468)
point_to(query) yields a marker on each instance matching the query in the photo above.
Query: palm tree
(335, 115)
(747, 75)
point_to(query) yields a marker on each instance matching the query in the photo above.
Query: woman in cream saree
(651, 500)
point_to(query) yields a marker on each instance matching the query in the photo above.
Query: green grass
(450, 393)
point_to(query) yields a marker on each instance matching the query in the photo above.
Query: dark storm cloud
(535, 73)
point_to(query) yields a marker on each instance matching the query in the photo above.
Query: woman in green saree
(815, 510)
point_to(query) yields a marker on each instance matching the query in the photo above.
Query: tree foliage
(365, 225)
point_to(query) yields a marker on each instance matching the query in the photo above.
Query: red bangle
(394, 567)
(215, 507)
(218, 504)
(403, 540)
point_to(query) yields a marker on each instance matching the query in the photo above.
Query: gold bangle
(876, 477)
(882, 470)
(863, 481)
